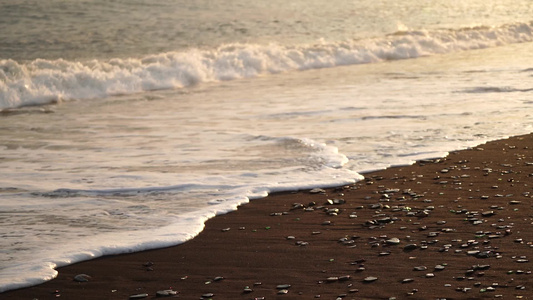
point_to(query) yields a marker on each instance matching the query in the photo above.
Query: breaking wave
(43, 81)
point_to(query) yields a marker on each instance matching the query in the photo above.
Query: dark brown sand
(469, 213)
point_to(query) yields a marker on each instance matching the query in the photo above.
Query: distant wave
(44, 81)
(495, 89)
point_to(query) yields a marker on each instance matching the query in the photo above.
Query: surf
(44, 81)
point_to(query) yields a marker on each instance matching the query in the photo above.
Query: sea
(126, 124)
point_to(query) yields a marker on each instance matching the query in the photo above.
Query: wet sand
(459, 227)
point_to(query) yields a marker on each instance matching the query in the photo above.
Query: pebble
(345, 278)
(393, 241)
(370, 279)
(410, 247)
(439, 267)
(208, 295)
(166, 293)
(283, 286)
(82, 278)
(138, 296)
(317, 191)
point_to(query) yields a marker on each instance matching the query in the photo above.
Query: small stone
(283, 286)
(489, 213)
(420, 268)
(82, 278)
(138, 296)
(407, 280)
(393, 241)
(410, 247)
(283, 292)
(165, 293)
(439, 267)
(370, 279)
(345, 278)
(208, 295)
(317, 191)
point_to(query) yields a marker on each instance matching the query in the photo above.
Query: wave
(495, 89)
(44, 81)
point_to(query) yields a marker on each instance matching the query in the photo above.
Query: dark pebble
(82, 278)
(410, 247)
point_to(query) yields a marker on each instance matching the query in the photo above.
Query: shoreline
(462, 224)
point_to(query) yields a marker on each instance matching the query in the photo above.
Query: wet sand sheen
(457, 227)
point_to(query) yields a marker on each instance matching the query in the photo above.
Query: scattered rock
(393, 241)
(82, 278)
(166, 293)
(410, 247)
(138, 296)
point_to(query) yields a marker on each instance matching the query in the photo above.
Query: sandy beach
(452, 228)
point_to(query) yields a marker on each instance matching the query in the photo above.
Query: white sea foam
(122, 220)
(43, 81)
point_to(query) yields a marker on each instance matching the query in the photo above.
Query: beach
(451, 228)
(134, 135)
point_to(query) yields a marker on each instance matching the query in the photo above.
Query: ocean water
(125, 125)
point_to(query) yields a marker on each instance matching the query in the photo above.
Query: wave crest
(44, 81)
